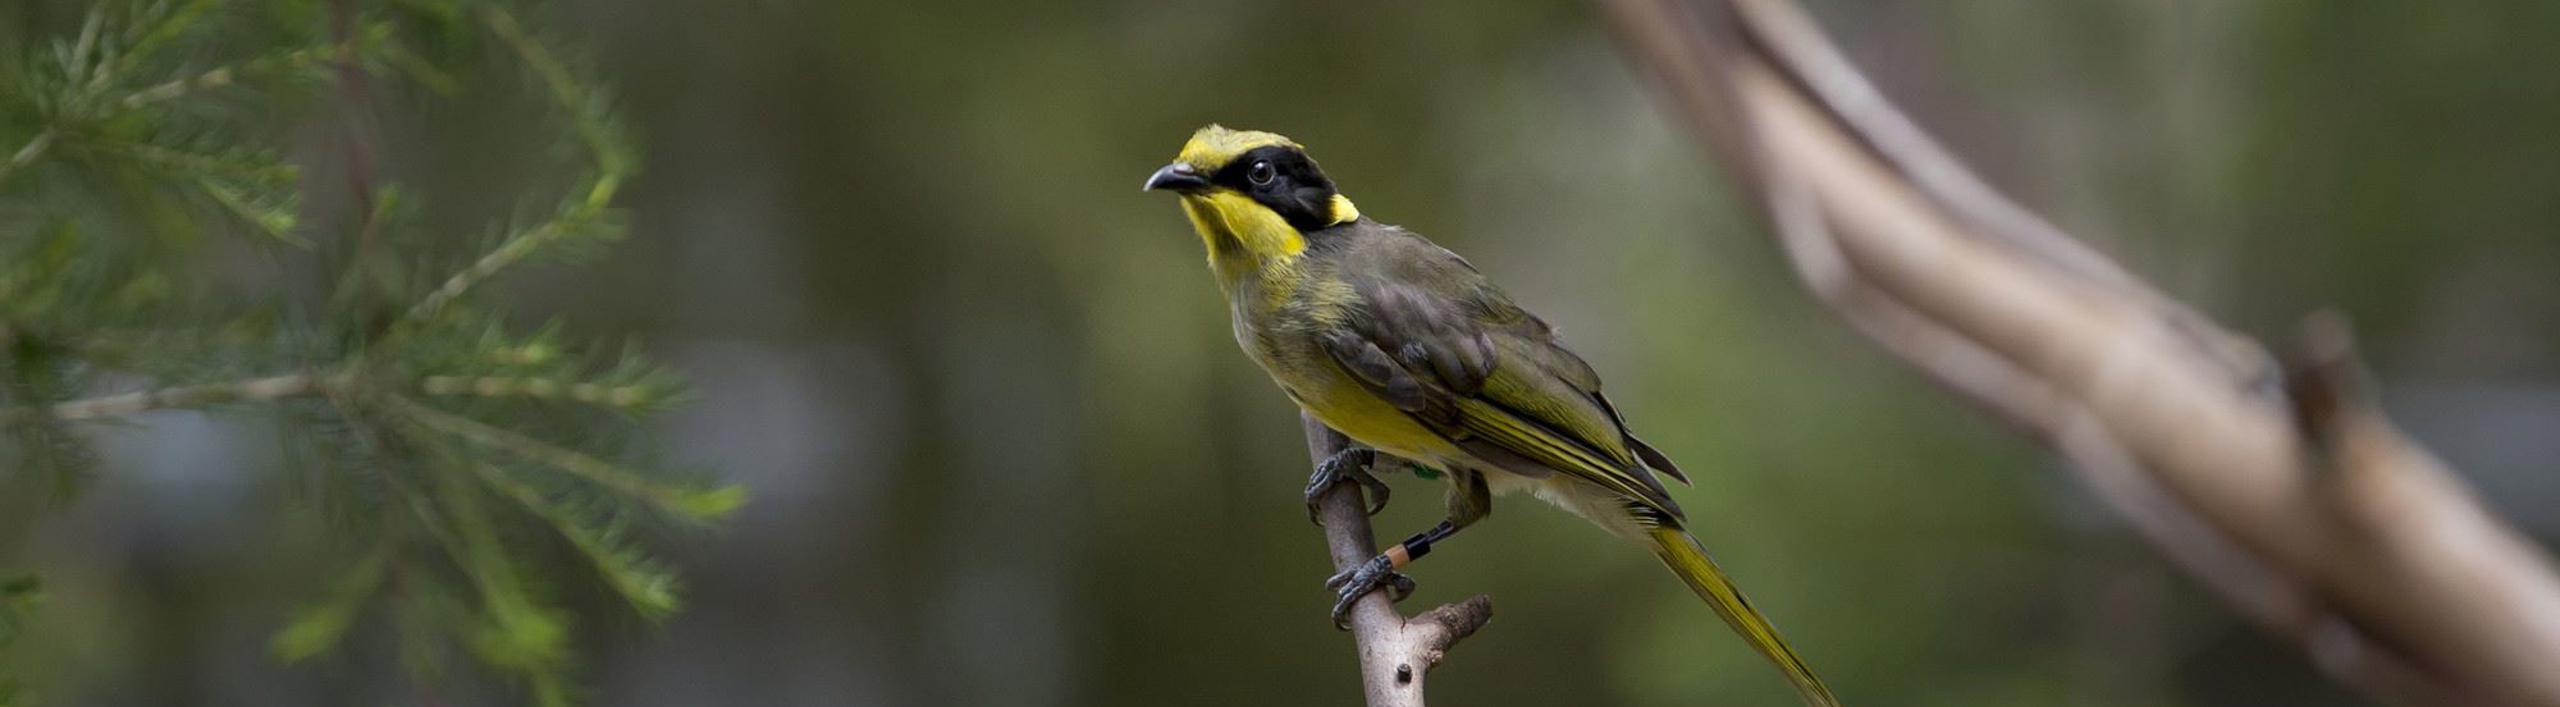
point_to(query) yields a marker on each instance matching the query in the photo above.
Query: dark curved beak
(1178, 177)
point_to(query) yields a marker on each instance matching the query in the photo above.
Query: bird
(1411, 352)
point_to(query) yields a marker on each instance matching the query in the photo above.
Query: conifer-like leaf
(412, 413)
(317, 627)
(33, 375)
(684, 500)
(19, 595)
(514, 629)
(597, 533)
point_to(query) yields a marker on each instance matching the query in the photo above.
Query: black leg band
(1415, 547)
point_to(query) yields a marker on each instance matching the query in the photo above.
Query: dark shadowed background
(1004, 451)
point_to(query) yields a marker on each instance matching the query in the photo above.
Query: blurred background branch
(2326, 525)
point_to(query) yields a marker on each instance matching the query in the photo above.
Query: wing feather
(1437, 341)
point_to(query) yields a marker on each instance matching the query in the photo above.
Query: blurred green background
(1004, 451)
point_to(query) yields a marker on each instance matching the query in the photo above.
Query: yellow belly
(1344, 405)
(1382, 427)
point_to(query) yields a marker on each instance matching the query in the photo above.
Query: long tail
(1689, 560)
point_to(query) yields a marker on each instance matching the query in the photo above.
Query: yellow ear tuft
(1343, 211)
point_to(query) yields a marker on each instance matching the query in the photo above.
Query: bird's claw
(1351, 584)
(1351, 466)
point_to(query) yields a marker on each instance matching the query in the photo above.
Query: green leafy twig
(612, 166)
(226, 76)
(19, 596)
(75, 59)
(516, 632)
(144, 38)
(633, 395)
(690, 503)
(647, 586)
(315, 628)
(438, 471)
(514, 250)
(612, 160)
(34, 148)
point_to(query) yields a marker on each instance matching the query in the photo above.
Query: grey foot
(1346, 466)
(1349, 585)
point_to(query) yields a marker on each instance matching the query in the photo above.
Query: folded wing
(1433, 338)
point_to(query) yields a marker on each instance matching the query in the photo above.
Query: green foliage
(458, 452)
(18, 598)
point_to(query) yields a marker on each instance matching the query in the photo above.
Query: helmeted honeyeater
(1408, 350)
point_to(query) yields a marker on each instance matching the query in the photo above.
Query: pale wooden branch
(1395, 652)
(300, 385)
(2300, 504)
(292, 385)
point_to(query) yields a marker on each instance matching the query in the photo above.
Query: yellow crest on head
(1212, 147)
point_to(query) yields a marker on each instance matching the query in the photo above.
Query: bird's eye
(1261, 173)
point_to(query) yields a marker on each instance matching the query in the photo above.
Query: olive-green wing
(1436, 340)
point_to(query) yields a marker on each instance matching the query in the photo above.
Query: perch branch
(2300, 504)
(1395, 652)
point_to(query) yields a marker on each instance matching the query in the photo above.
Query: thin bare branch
(1395, 652)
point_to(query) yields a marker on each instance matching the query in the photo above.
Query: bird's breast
(1288, 350)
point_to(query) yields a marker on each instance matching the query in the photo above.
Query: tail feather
(1689, 560)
